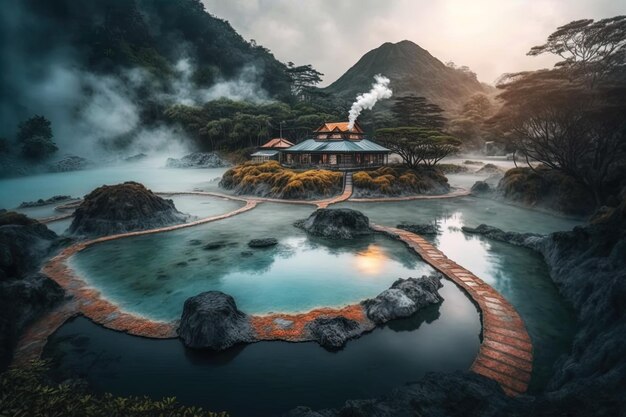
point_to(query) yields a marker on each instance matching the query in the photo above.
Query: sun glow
(371, 261)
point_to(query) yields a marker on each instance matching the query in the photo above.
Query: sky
(491, 37)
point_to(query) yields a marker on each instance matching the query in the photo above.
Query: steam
(380, 91)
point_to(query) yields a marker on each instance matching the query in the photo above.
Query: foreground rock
(24, 294)
(481, 188)
(197, 160)
(404, 298)
(112, 209)
(336, 224)
(70, 163)
(211, 320)
(332, 333)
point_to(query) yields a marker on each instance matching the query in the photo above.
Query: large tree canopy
(417, 111)
(417, 145)
(35, 136)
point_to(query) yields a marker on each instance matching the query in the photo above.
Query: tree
(303, 79)
(571, 118)
(469, 125)
(35, 135)
(417, 145)
(589, 49)
(417, 111)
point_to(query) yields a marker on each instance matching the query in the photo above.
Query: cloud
(489, 36)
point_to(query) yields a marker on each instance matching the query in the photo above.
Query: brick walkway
(506, 351)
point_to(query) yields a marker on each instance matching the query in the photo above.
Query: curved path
(506, 351)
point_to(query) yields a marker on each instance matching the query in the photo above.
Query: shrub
(387, 181)
(25, 392)
(270, 179)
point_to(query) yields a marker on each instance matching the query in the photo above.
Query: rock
(135, 158)
(24, 294)
(481, 187)
(70, 163)
(263, 243)
(489, 169)
(336, 223)
(420, 229)
(333, 332)
(197, 160)
(529, 240)
(404, 298)
(214, 245)
(247, 253)
(211, 320)
(123, 208)
(42, 202)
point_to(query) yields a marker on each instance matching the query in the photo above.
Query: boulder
(420, 229)
(481, 187)
(529, 240)
(404, 298)
(123, 208)
(263, 243)
(211, 320)
(41, 202)
(489, 169)
(336, 223)
(197, 160)
(333, 332)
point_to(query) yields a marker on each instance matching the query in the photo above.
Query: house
(270, 150)
(334, 146)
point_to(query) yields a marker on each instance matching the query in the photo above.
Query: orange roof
(278, 143)
(339, 126)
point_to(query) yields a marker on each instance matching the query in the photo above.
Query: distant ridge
(412, 70)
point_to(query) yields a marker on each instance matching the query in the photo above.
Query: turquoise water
(519, 274)
(298, 274)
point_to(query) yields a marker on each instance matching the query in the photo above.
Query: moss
(26, 392)
(270, 179)
(387, 181)
(12, 217)
(545, 188)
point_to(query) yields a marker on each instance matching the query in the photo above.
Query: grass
(26, 392)
(388, 181)
(270, 179)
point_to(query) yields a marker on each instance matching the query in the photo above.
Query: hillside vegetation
(270, 179)
(387, 181)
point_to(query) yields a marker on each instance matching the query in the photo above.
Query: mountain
(412, 70)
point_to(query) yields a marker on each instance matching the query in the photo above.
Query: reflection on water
(298, 274)
(519, 274)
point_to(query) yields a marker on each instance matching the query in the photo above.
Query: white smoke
(380, 91)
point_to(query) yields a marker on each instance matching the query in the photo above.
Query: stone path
(506, 351)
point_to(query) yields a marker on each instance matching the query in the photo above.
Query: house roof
(265, 153)
(338, 146)
(277, 143)
(339, 127)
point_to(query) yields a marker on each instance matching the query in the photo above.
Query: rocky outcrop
(24, 294)
(70, 163)
(333, 332)
(197, 160)
(529, 240)
(404, 298)
(263, 243)
(545, 188)
(211, 320)
(336, 223)
(490, 169)
(122, 208)
(420, 229)
(41, 202)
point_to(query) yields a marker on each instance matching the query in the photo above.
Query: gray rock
(420, 229)
(42, 202)
(336, 223)
(333, 332)
(211, 320)
(404, 298)
(529, 240)
(481, 187)
(263, 243)
(197, 160)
